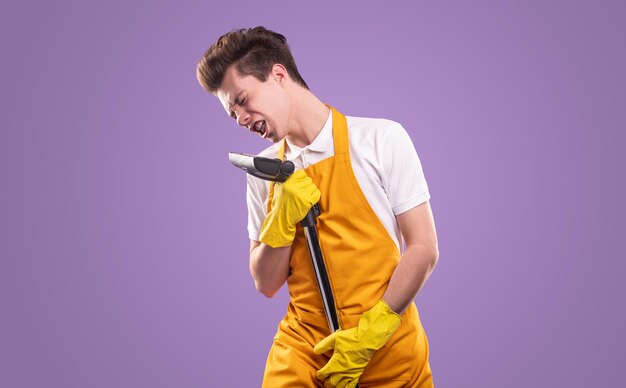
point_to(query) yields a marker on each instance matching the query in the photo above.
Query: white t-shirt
(384, 162)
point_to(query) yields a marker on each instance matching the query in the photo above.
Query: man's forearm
(412, 272)
(269, 267)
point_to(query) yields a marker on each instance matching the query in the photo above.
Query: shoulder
(371, 125)
(377, 132)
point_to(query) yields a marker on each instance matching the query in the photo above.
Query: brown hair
(253, 51)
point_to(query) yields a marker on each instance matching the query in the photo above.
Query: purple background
(123, 238)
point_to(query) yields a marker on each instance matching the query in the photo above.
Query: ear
(279, 73)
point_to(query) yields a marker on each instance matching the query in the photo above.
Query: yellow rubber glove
(353, 348)
(291, 202)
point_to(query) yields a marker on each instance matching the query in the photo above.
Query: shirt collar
(321, 142)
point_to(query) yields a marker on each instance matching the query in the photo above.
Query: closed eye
(240, 102)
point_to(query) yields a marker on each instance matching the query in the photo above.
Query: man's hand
(291, 202)
(353, 348)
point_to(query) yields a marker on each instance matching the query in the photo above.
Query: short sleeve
(256, 194)
(257, 191)
(403, 178)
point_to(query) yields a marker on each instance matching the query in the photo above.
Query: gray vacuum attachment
(265, 168)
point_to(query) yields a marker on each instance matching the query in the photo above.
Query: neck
(306, 119)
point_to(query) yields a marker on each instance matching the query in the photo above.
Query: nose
(243, 118)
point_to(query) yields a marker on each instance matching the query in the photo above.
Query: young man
(374, 199)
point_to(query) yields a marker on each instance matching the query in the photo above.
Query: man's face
(261, 107)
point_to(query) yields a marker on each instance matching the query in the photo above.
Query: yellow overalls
(360, 256)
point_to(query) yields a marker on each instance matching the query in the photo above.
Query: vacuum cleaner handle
(319, 267)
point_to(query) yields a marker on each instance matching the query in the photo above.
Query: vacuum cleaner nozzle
(271, 169)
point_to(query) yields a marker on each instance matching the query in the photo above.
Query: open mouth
(259, 127)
